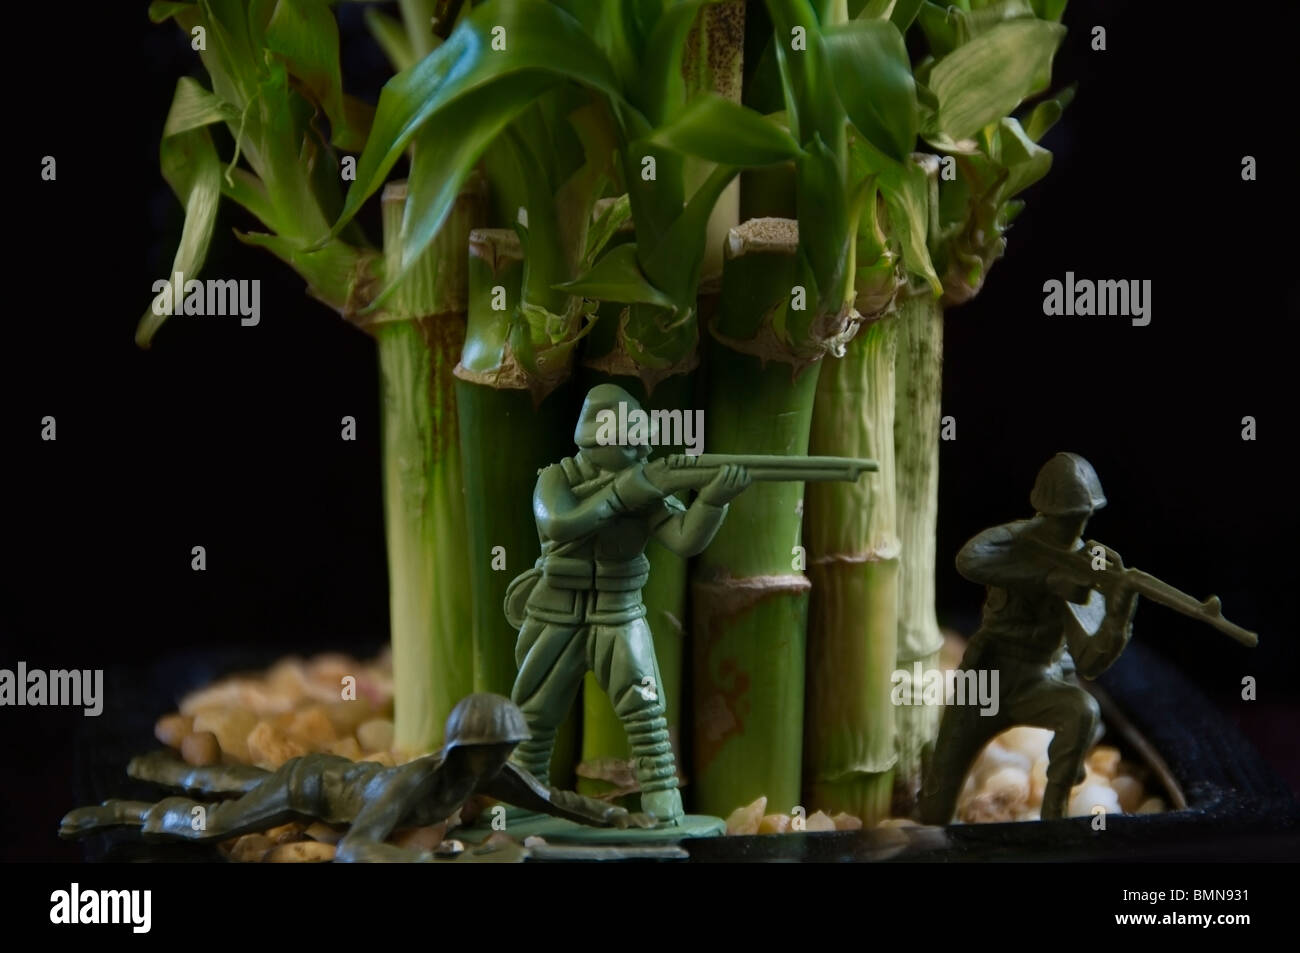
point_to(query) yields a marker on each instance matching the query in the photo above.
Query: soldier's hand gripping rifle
(1081, 566)
(681, 471)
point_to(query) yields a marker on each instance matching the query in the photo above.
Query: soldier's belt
(568, 572)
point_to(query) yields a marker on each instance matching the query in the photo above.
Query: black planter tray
(1237, 808)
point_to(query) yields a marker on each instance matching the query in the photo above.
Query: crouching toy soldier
(579, 609)
(1040, 621)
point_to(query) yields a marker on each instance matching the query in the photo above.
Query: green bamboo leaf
(674, 263)
(445, 154)
(906, 190)
(161, 11)
(713, 128)
(972, 24)
(873, 10)
(606, 227)
(873, 77)
(903, 13)
(1049, 9)
(660, 87)
(1025, 161)
(1046, 114)
(247, 189)
(540, 40)
(392, 39)
(332, 273)
(617, 276)
(985, 79)
(941, 27)
(899, 12)
(191, 167)
(193, 106)
(304, 34)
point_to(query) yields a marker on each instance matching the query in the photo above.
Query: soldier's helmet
(485, 719)
(604, 399)
(1067, 485)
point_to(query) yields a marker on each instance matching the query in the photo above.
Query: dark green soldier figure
(1040, 621)
(482, 731)
(580, 608)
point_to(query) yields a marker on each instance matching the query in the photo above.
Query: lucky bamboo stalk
(713, 63)
(919, 384)
(419, 340)
(749, 602)
(505, 440)
(853, 562)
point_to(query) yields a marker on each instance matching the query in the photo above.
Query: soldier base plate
(556, 829)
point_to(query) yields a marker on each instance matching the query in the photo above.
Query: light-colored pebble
(287, 833)
(993, 759)
(1037, 782)
(774, 824)
(300, 852)
(348, 716)
(322, 832)
(1152, 805)
(847, 822)
(312, 727)
(1027, 740)
(1104, 760)
(1129, 791)
(250, 848)
(376, 734)
(820, 821)
(231, 726)
(172, 729)
(269, 748)
(1085, 798)
(288, 679)
(201, 748)
(386, 758)
(745, 820)
(345, 747)
(421, 838)
(449, 848)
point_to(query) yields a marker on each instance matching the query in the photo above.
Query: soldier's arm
(1095, 652)
(687, 531)
(516, 786)
(992, 559)
(389, 798)
(561, 516)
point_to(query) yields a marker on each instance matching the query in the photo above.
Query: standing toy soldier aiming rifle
(1052, 604)
(579, 609)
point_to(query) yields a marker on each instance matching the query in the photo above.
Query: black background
(228, 437)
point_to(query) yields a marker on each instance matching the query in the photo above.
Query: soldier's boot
(656, 768)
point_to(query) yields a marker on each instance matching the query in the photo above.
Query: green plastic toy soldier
(1054, 606)
(579, 609)
(482, 731)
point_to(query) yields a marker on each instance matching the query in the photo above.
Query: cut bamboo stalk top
(496, 246)
(776, 235)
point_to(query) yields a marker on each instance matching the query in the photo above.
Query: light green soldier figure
(580, 608)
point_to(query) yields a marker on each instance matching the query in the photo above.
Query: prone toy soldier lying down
(482, 731)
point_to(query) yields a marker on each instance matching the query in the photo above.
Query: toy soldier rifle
(1080, 566)
(682, 471)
